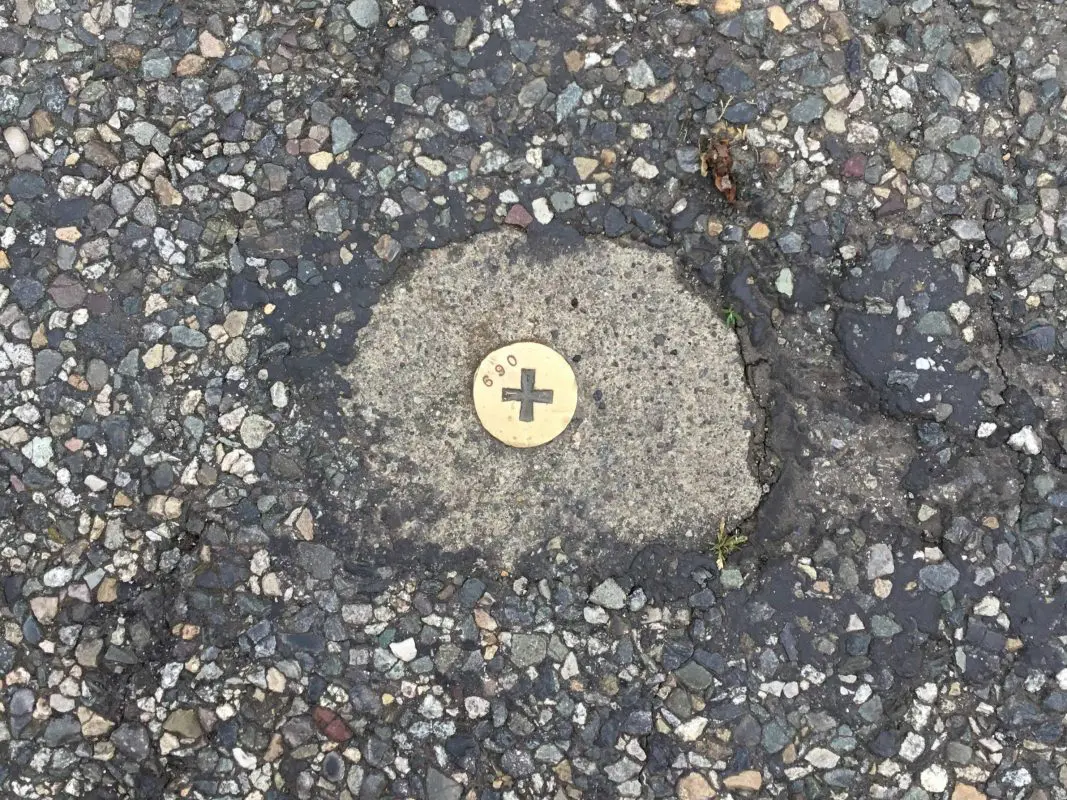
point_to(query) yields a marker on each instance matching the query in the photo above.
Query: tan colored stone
(165, 192)
(574, 60)
(484, 620)
(44, 608)
(965, 791)
(272, 586)
(125, 56)
(69, 234)
(190, 64)
(153, 358)
(235, 322)
(585, 166)
(320, 160)
(759, 231)
(835, 120)
(727, 6)
(164, 507)
(184, 722)
(93, 724)
(661, 93)
(693, 786)
(387, 248)
(107, 591)
(748, 781)
(41, 124)
(305, 525)
(275, 680)
(980, 50)
(779, 19)
(901, 157)
(210, 47)
(274, 749)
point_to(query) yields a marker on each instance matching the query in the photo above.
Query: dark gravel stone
(694, 676)
(993, 86)
(807, 110)
(67, 291)
(741, 113)
(333, 767)
(734, 81)
(26, 186)
(517, 763)
(46, 365)
(791, 243)
(27, 292)
(61, 730)
(1040, 337)
(21, 702)
(131, 739)
(615, 223)
(441, 787)
(938, 578)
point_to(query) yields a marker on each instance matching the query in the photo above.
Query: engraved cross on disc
(525, 394)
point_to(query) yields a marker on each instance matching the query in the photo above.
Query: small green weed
(726, 543)
(731, 317)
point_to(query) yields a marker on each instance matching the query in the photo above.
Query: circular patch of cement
(657, 449)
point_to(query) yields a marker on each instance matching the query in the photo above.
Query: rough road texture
(659, 445)
(201, 203)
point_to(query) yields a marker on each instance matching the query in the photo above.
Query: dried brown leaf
(716, 160)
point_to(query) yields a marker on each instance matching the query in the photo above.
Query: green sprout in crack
(726, 543)
(731, 316)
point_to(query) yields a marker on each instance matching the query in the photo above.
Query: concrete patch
(658, 447)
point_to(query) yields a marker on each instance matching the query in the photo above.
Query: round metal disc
(525, 394)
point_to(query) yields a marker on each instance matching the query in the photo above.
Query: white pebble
(279, 395)
(643, 169)
(477, 707)
(245, 760)
(542, 213)
(405, 650)
(988, 606)
(16, 141)
(821, 758)
(912, 747)
(1026, 441)
(934, 778)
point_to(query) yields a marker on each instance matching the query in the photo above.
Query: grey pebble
(528, 649)
(807, 110)
(441, 787)
(187, 337)
(968, 229)
(533, 93)
(365, 13)
(608, 594)
(879, 561)
(639, 75)
(131, 739)
(46, 365)
(938, 578)
(156, 65)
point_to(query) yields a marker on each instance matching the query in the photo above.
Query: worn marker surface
(525, 394)
(619, 391)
